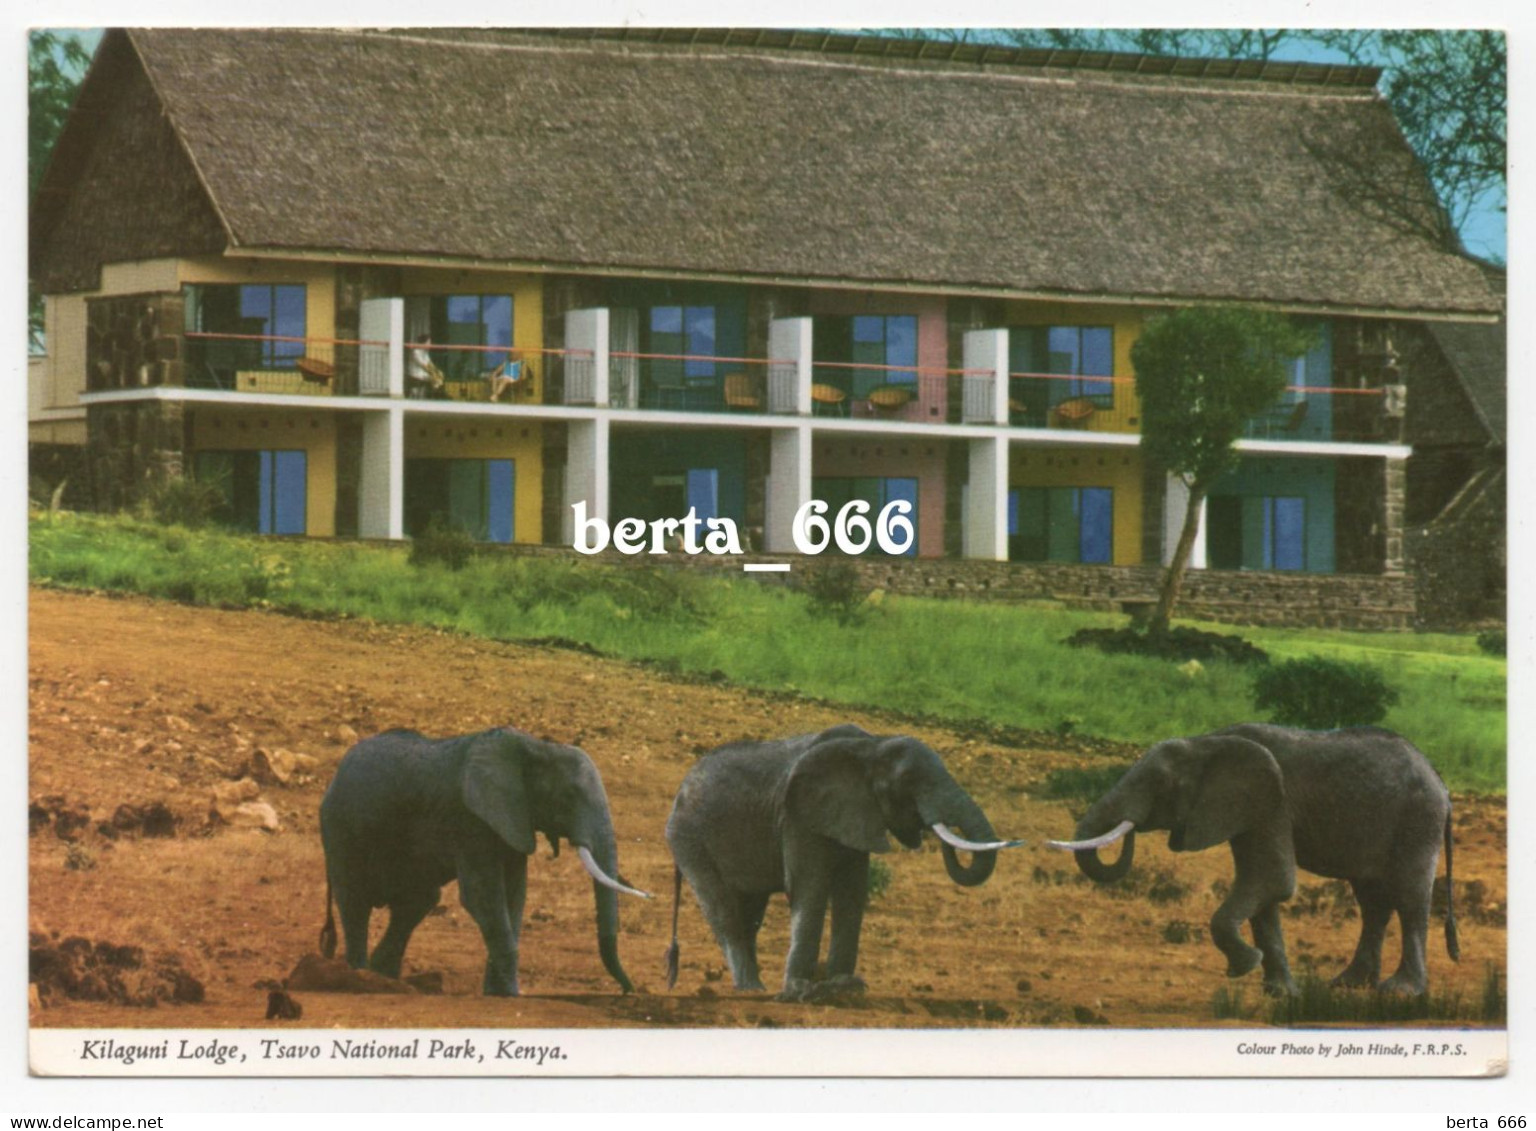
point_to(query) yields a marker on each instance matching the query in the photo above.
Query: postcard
(753, 552)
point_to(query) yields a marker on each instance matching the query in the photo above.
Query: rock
(280, 767)
(345, 735)
(34, 999)
(252, 815)
(332, 975)
(281, 1007)
(227, 795)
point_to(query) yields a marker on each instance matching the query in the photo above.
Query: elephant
(405, 814)
(1360, 804)
(801, 815)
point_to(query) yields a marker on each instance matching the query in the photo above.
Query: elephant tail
(1452, 943)
(328, 932)
(672, 951)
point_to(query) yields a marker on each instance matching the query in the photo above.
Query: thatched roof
(1020, 176)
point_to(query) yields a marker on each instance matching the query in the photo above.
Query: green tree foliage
(55, 65)
(1201, 373)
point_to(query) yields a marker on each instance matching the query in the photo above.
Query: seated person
(422, 377)
(504, 377)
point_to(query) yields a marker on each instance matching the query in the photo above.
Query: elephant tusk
(1110, 837)
(954, 841)
(604, 878)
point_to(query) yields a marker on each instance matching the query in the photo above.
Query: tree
(1201, 373)
(55, 65)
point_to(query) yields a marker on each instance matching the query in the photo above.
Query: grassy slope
(950, 659)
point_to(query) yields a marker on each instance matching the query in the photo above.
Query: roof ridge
(1168, 72)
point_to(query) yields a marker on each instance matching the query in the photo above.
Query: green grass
(1005, 664)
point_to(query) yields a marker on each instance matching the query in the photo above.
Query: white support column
(789, 389)
(381, 368)
(1175, 506)
(986, 500)
(586, 473)
(381, 490)
(586, 379)
(788, 485)
(985, 400)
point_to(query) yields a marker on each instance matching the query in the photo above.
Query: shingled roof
(816, 166)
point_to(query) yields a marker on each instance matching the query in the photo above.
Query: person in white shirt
(422, 377)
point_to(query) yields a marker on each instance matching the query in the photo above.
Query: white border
(1430, 1100)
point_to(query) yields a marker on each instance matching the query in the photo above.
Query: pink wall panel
(931, 402)
(888, 457)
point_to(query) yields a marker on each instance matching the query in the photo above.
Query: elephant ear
(829, 791)
(495, 790)
(1241, 786)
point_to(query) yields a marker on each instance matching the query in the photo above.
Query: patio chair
(742, 392)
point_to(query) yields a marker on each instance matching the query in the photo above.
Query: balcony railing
(1318, 413)
(250, 363)
(700, 383)
(1072, 403)
(503, 374)
(920, 394)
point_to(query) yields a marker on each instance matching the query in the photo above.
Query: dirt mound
(332, 975)
(78, 969)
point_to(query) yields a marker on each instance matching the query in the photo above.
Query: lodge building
(737, 270)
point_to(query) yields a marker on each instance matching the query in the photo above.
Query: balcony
(866, 391)
(1073, 403)
(697, 383)
(1331, 414)
(250, 363)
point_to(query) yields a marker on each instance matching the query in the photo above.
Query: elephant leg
(405, 915)
(850, 893)
(751, 908)
(1268, 937)
(482, 890)
(1266, 874)
(1375, 913)
(515, 877)
(807, 916)
(354, 912)
(1413, 917)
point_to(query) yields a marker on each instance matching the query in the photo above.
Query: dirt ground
(136, 702)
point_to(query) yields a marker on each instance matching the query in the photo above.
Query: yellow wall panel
(277, 430)
(1125, 321)
(319, 281)
(1072, 467)
(520, 442)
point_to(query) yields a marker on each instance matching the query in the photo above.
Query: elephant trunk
(1105, 825)
(958, 811)
(605, 856)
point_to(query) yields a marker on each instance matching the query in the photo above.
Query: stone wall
(132, 449)
(1460, 561)
(134, 341)
(1288, 600)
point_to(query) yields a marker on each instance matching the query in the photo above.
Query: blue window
(254, 316)
(1061, 524)
(1079, 360)
(887, 342)
(475, 495)
(703, 491)
(265, 492)
(837, 491)
(1257, 532)
(679, 330)
(469, 320)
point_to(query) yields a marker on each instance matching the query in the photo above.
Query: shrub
(1085, 783)
(879, 877)
(183, 502)
(443, 542)
(835, 591)
(1493, 642)
(1320, 694)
